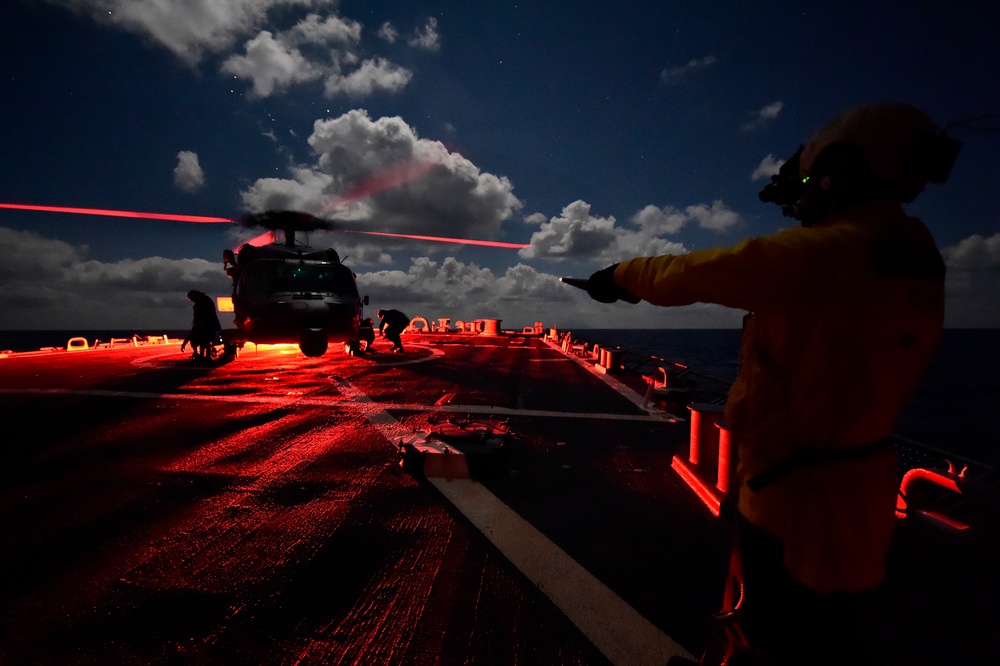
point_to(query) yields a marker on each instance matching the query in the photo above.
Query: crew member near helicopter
(205, 325)
(231, 266)
(366, 333)
(393, 323)
(845, 313)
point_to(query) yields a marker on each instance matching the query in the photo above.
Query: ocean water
(953, 409)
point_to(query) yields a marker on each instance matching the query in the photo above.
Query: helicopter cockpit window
(280, 277)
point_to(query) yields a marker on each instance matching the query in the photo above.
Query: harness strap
(816, 458)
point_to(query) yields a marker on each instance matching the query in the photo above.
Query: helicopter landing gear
(313, 342)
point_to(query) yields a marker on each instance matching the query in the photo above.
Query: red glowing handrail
(948, 480)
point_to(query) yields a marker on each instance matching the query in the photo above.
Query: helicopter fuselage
(294, 295)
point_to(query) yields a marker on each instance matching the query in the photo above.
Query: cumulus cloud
(388, 33)
(201, 27)
(320, 47)
(188, 176)
(329, 31)
(674, 74)
(764, 116)
(975, 254)
(271, 66)
(973, 282)
(377, 74)
(578, 234)
(519, 296)
(50, 284)
(379, 175)
(769, 166)
(426, 37)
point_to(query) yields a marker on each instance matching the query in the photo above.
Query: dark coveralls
(393, 323)
(204, 325)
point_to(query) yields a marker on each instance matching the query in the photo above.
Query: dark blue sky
(551, 126)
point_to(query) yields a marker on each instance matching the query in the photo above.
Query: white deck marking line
(622, 389)
(619, 631)
(332, 401)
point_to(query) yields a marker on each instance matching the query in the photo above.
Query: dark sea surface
(953, 409)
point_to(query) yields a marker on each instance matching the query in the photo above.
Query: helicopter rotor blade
(270, 220)
(443, 239)
(102, 212)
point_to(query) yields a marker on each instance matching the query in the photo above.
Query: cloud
(379, 175)
(377, 74)
(674, 74)
(715, 217)
(520, 296)
(388, 33)
(49, 284)
(426, 38)
(973, 282)
(200, 27)
(318, 47)
(188, 176)
(577, 234)
(764, 116)
(768, 167)
(271, 66)
(975, 254)
(331, 31)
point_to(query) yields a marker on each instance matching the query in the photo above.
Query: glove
(602, 287)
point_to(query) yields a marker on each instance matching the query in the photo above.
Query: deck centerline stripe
(619, 631)
(337, 400)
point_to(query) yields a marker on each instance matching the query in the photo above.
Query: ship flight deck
(158, 510)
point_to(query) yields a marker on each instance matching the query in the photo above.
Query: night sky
(592, 131)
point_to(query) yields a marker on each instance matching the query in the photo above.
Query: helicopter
(290, 293)
(284, 292)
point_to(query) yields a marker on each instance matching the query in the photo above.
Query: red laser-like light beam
(260, 240)
(393, 177)
(442, 239)
(119, 213)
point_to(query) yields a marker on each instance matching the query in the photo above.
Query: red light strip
(394, 176)
(442, 239)
(103, 212)
(119, 213)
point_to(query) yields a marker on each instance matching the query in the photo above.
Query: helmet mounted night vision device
(896, 148)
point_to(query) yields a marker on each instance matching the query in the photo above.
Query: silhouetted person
(366, 333)
(232, 267)
(393, 323)
(204, 325)
(844, 315)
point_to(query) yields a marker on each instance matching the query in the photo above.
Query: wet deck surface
(155, 510)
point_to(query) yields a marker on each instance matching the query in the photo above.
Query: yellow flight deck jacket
(845, 316)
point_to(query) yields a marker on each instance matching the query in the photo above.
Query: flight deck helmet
(887, 149)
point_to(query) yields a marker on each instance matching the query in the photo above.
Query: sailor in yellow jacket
(845, 313)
